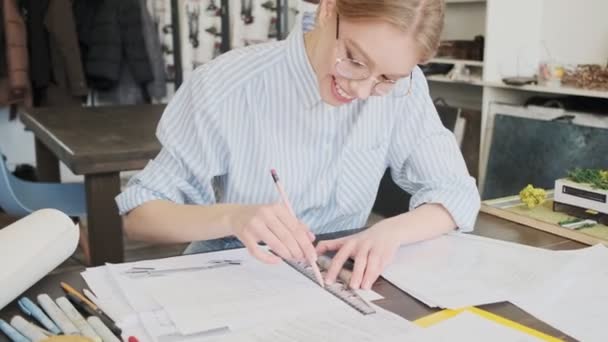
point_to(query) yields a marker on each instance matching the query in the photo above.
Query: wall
(17, 145)
(576, 31)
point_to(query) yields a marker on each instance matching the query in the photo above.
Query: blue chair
(20, 198)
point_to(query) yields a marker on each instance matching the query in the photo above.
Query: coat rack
(282, 29)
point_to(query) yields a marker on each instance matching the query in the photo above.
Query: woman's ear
(325, 15)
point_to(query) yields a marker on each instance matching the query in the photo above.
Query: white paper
(234, 296)
(467, 326)
(369, 295)
(458, 270)
(109, 294)
(336, 325)
(32, 247)
(574, 299)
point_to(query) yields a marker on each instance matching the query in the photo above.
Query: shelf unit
(519, 34)
(445, 79)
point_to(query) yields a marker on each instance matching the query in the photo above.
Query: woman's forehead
(389, 49)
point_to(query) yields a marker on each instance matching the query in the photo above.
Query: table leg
(47, 164)
(104, 223)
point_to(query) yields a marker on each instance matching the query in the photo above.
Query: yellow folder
(437, 317)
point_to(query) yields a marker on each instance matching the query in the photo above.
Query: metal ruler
(338, 289)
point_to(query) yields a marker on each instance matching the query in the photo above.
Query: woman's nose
(362, 89)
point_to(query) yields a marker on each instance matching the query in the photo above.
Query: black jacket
(113, 39)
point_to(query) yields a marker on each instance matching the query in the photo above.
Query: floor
(134, 250)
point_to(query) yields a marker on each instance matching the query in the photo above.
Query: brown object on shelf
(462, 49)
(587, 76)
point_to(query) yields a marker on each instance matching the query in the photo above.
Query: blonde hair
(423, 19)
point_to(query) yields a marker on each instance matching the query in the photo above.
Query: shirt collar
(304, 76)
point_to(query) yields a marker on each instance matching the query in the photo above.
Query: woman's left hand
(372, 250)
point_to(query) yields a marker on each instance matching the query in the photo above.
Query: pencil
(285, 200)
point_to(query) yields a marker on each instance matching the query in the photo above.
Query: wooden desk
(394, 300)
(97, 142)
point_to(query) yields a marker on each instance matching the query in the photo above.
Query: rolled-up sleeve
(193, 153)
(426, 162)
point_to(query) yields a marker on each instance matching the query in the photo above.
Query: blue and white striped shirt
(258, 108)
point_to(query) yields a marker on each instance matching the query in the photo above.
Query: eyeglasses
(354, 70)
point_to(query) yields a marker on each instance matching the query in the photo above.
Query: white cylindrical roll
(32, 247)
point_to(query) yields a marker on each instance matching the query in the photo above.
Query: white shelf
(457, 61)
(445, 79)
(552, 90)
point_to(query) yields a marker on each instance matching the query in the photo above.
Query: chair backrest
(8, 200)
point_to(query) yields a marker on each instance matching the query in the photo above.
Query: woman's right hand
(274, 225)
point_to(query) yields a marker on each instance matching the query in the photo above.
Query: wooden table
(394, 300)
(99, 143)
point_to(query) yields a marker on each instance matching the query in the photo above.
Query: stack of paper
(249, 299)
(575, 298)
(566, 289)
(458, 270)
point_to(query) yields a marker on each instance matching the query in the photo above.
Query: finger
(253, 249)
(311, 236)
(330, 245)
(301, 236)
(373, 270)
(338, 262)
(285, 216)
(299, 231)
(285, 235)
(359, 269)
(262, 233)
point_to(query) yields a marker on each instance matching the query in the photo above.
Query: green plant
(596, 177)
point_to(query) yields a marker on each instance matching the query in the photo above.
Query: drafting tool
(344, 275)
(138, 272)
(338, 289)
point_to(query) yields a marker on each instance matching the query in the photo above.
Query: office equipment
(77, 319)
(28, 330)
(32, 247)
(57, 315)
(102, 330)
(581, 195)
(313, 262)
(31, 309)
(338, 289)
(344, 275)
(77, 298)
(12, 333)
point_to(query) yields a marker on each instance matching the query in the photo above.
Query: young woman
(331, 110)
